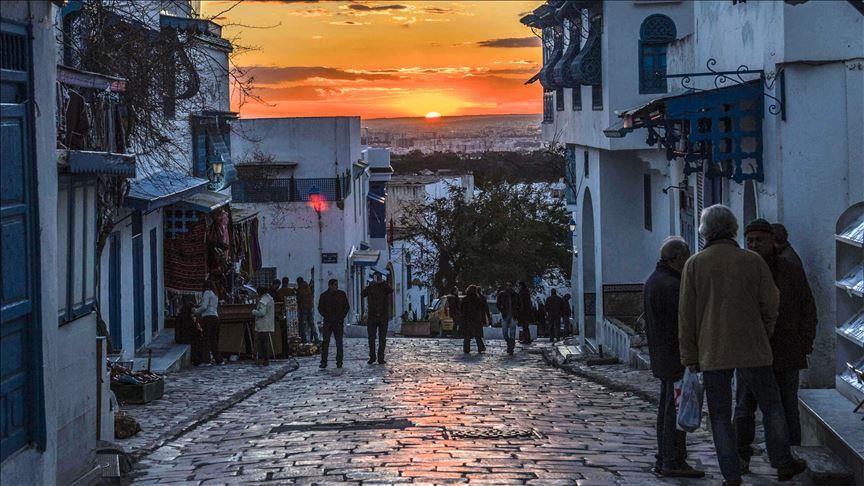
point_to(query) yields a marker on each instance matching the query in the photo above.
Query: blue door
(20, 348)
(138, 279)
(154, 283)
(115, 324)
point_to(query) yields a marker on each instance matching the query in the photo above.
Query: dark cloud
(285, 74)
(296, 93)
(511, 42)
(375, 8)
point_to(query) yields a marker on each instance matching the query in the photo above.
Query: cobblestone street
(430, 415)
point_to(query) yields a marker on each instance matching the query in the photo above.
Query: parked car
(440, 321)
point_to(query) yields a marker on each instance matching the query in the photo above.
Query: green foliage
(505, 233)
(487, 167)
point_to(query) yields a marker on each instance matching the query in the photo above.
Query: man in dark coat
(661, 295)
(554, 311)
(525, 313)
(378, 315)
(791, 342)
(333, 307)
(475, 313)
(784, 248)
(508, 302)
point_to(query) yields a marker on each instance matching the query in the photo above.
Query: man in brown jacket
(727, 311)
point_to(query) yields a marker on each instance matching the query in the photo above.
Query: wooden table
(237, 330)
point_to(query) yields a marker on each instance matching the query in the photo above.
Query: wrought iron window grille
(724, 79)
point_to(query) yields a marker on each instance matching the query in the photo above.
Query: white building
(772, 129)
(282, 163)
(132, 268)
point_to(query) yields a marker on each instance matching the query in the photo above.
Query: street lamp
(316, 200)
(216, 169)
(572, 226)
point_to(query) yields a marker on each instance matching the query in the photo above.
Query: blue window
(654, 37)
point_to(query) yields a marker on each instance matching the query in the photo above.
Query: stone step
(824, 467)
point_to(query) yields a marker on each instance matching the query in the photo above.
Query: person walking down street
(305, 319)
(661, 321)
(791, 342)
(566, 314)
(554, 311)
(454, 310)
(507, 302)
(784, 248)
(525, 312)
(208, 310)
(265, 324)
(727, 313)
(378, 304)
(542, 328)
(333, 307)
(475, 312)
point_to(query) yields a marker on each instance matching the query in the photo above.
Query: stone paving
(431, 415)
(194, 395)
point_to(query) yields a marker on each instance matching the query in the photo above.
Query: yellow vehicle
(440, 320)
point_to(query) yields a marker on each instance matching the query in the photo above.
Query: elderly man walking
(661, 321)
(727, 312)
(791, 342)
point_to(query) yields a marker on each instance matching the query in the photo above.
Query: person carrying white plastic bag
(727, 311)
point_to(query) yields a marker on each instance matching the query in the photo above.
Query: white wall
(321, 147)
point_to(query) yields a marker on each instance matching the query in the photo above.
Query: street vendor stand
(237, 330)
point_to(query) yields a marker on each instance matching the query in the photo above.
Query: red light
(318, 202)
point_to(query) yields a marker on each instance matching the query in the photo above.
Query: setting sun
(433, 114)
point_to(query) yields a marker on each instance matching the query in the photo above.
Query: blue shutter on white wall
(19, 326)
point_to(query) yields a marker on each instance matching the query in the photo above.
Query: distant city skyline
(384, 59)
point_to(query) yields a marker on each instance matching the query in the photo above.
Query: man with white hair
(727, 312)
(661, 323)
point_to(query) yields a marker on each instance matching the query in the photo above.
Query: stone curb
(217, 408)
(554, 357)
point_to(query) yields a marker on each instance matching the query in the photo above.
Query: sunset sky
(385, 59)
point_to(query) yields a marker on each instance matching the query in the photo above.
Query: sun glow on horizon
(433, 114)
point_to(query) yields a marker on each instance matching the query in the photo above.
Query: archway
(589, 284)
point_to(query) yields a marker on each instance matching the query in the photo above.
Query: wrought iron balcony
(290, 189)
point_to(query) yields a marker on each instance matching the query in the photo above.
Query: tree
(504, 233)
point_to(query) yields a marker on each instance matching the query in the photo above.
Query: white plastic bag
(690, 412)
(676, 389)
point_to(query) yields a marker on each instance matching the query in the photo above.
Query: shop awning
(162, 189)
(87, 162)
(364, 258)
(241, 215)
(205, 201)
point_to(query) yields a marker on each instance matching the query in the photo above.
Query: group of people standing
(724, 312)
